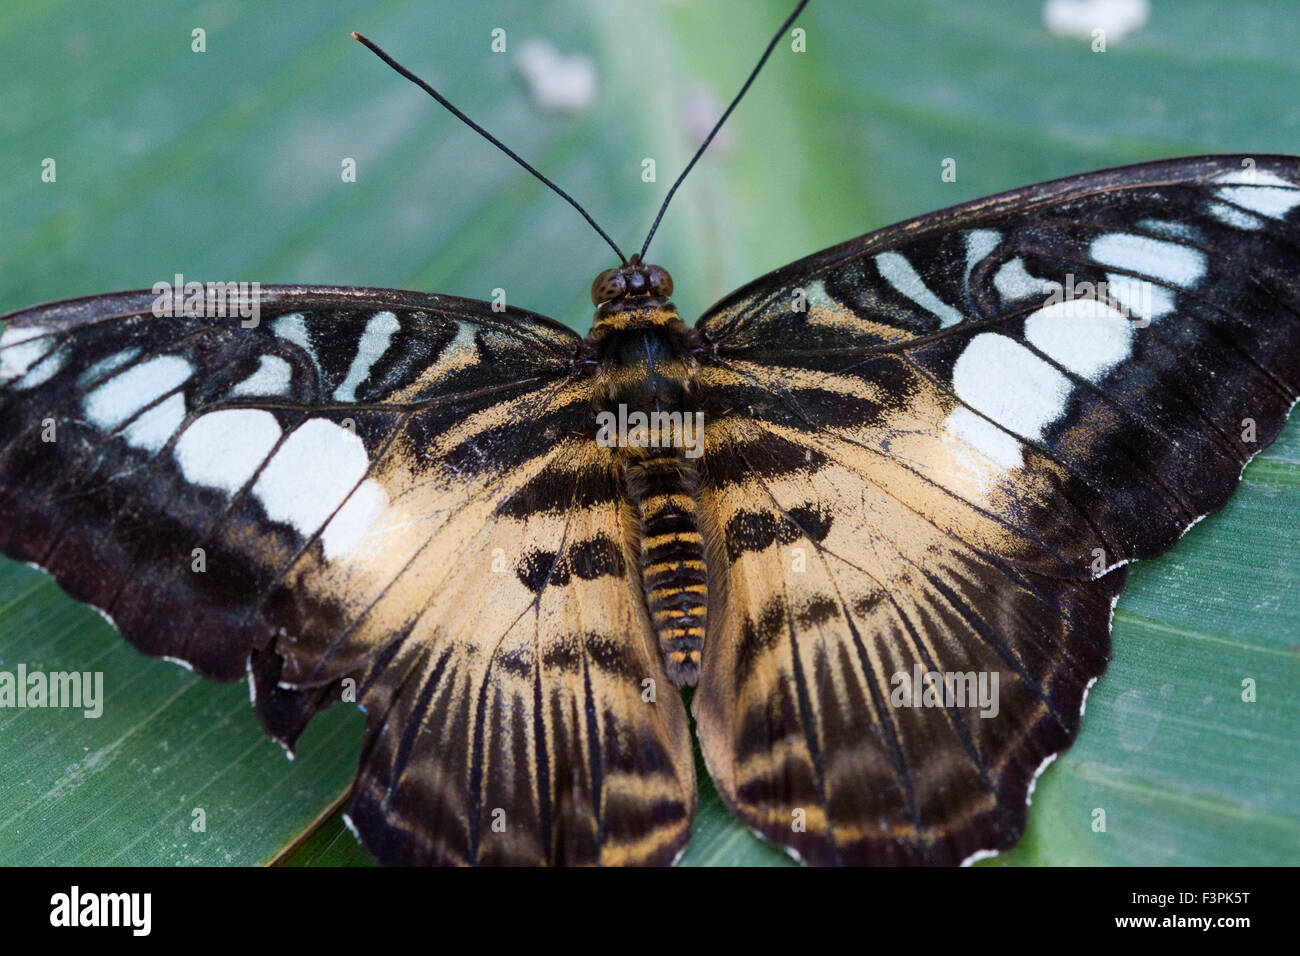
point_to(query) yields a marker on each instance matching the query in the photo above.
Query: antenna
(377, 51)
(717, 126)
(403, 71)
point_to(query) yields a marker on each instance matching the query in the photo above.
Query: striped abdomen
(672, 559)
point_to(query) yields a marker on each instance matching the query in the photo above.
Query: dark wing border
(1170, 172)
(68, 314)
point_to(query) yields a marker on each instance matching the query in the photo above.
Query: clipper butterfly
(932, 449)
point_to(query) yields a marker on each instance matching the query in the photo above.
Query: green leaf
(226, 165)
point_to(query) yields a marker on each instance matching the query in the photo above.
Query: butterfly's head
(634, 285)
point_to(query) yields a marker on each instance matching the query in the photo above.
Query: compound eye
(610, 284)
(661, 283)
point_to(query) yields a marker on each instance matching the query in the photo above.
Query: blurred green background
(226, 165)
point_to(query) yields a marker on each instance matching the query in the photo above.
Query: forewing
(966, 424)
(302, 498)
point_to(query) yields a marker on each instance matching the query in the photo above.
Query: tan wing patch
(519, 712)
(835, 591)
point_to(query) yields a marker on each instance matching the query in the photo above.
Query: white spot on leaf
(557, 82)
(1079, 18)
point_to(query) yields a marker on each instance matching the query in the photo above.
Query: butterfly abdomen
(672, 559)
(649, 411)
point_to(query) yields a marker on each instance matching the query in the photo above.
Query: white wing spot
(152, 430)
(898, 272)
(1259, 191)
(1140, 298)
(984, 437)
(346, 529)
(311, 475)
(816, 295)
(293, 328)
(1001, 379)
(224, 449)
(1013, 281)
(1234, 217)
(370, 349)
(104, 366)
(272, 377)
(1174, 263)
(20, 349)
(125, 394)
(1176, 230)
(979, 243)
(1086, 336)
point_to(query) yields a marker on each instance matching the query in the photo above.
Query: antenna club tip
(356, 35)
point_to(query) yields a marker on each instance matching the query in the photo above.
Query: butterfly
(875, 508)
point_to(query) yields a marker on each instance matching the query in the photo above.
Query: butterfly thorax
(649, 413)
